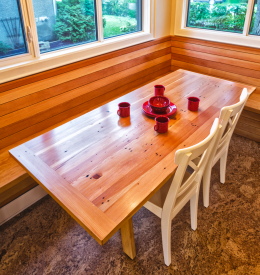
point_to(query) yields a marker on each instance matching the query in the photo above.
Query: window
(12, 38)
(121, 17)
(255, 22)
(60, 24)
(64, 23)
(226, 21)
(53, 33)
(219, 15)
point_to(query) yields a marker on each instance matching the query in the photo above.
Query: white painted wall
(173, 11)
(163, 17)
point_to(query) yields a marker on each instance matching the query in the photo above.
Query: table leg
(128, 241)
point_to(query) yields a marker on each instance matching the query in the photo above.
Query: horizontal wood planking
(24, 118)
(72, 90)
(252, 103)
(216, 51)
(224, 46)
(131, 177)
(34, 97)
(249, 125)
(218, 58)
(16, 190)
(247, 134)
(12, 174)
(77, 65)
(231, 62)
(38, 99)
(136, 80)
(249, 121)
(251, 115)
(31, 88)
(216, 65)
(72, 94)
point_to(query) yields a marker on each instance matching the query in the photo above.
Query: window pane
(121, 17)
(64, 23)
(12, 39)
(219, 15)
(255, 23)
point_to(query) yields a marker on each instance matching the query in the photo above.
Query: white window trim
(243, 39)
(33, 62)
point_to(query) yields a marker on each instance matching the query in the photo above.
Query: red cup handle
(118, 112)
(155, 128)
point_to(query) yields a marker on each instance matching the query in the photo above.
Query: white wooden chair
(229, 116)
(176, 192)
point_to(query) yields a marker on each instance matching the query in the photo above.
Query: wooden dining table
(102, 168)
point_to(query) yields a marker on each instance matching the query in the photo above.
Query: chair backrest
(229, 117)
(184, 158)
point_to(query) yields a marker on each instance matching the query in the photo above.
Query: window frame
(31, 52)
(15, 67)
(242, 39)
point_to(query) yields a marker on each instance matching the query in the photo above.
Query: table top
(102, 168)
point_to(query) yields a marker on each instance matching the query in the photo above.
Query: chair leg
(166, 240)
(206, 185)
(223, 164)
(194, 210)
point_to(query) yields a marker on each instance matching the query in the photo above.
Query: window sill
(66, 56)
(220, 36)
(180, 29)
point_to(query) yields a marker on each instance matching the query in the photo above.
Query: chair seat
(183, 187)
(159, 197)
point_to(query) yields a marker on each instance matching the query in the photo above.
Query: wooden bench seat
(35, 104)
(14, 180)
(126, 69)
(226, 61)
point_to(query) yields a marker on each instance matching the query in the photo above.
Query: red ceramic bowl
(159, 104)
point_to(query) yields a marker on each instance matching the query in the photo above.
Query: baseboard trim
(18, 205)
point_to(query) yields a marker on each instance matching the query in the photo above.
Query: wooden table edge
(18, 154)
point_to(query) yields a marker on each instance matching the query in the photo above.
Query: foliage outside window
(12, 39)
(220, 15)
(255, 22)
(121, 17)
(64, 23)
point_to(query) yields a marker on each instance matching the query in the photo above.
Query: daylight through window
(64, 23)
(219, 15)
(61, 24)
(255, 22)
(121, 17)
(12, 39)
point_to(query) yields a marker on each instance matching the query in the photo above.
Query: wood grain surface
(102, 168)
(28, 105)
(231, 62)
(13, 175)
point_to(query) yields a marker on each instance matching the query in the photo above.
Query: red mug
(161, 125)
(159, 90)
(124, 109)
(193, 103)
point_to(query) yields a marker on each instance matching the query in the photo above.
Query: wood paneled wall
(31, 105)
(34, 103)
(231, 62)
